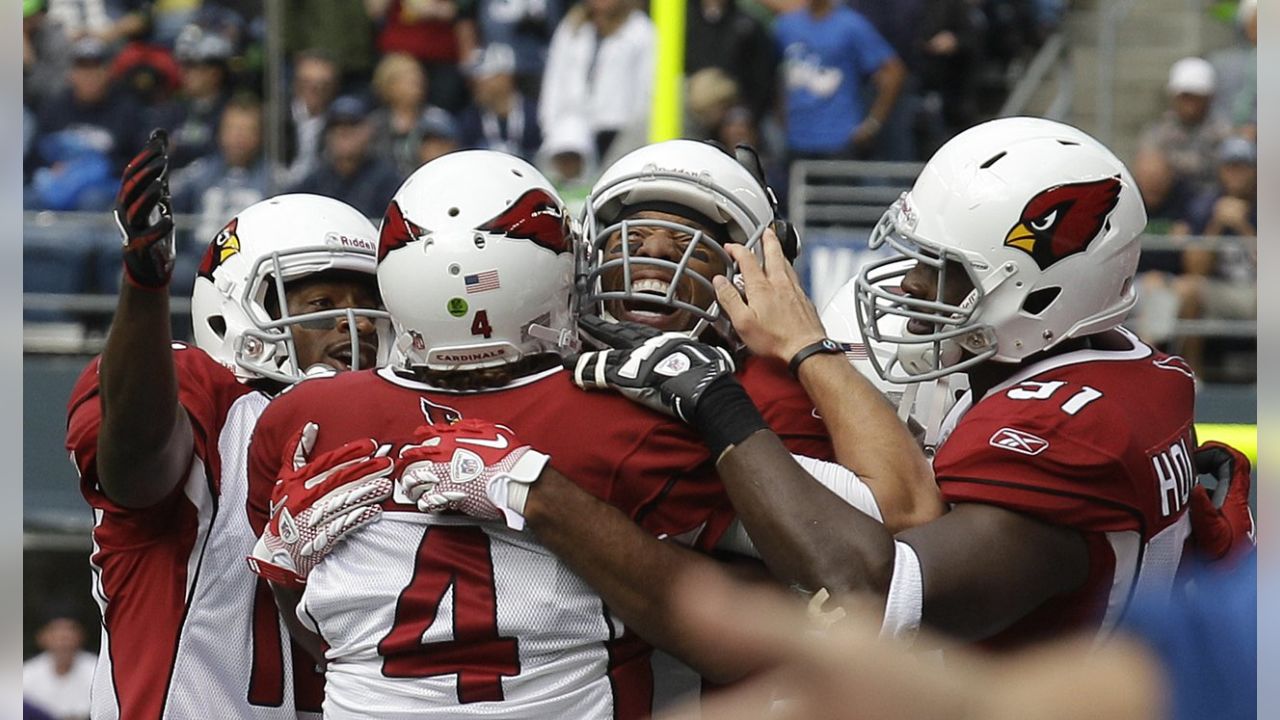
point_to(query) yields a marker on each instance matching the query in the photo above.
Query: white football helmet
(475, 264)
(269, 244)
(927, 402)
(681, 177)
(1043, 220)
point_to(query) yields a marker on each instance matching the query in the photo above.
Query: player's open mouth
(340, 355)
(654, 309)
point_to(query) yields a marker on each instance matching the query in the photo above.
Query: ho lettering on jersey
(1175, 474)
(1018, 441)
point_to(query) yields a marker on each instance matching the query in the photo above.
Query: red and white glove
(473, 466)
(1222, 525)
(318, 502)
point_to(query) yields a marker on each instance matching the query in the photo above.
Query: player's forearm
(630, 569)
(145, 442)
(871, 441)
(805, 534)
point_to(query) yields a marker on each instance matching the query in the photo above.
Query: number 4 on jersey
(458, 558)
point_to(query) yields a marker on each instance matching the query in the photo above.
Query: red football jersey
(170, 581)
(1101, 441)
(532, 638)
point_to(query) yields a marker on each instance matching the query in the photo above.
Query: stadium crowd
(376, 87)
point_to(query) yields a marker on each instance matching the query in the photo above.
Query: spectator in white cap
(500, 118)
(1188, 134)
(568, 158)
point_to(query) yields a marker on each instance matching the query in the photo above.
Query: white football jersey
(188, 631)
(438, 617)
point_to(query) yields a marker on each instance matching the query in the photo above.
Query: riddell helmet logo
(1064, 220)
(223, 246)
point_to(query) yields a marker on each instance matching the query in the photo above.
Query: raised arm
(777, 320)
(145, 444)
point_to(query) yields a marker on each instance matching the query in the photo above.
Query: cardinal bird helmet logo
(1064, 219)
(397, 231)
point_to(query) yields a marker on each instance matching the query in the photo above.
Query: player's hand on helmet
(319, 501)
(473, 466)
(1221, 524)
(766, 304)
(667, 372)
(144, 215)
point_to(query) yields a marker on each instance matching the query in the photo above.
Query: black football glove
(666, 372)
(145, 217)
(670, 373)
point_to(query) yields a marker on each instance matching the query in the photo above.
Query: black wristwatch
(825, 345)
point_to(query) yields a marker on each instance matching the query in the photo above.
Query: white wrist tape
(836, 478)
(843, 482)
(905, 604)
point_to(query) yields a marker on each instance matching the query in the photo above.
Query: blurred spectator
(315, 83)
(568, 159)
(525, 26)
(1216, 283)
(1237, 71)
(222, 184)
(949, 50)
(600, 69)
(500, 118)
(104, 120)
(901, 24)
(350, 171)
(718, 34)
(432, 32)
(437, 135)
(150, 76)
(827, 51)
(193, 120)
(1165, 194)
(46, 54)
(341, 27)
(401, 88)
(1188, 134)
(58, 680)
(709, 93)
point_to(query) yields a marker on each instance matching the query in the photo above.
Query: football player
(159, 433)
(657, 228)
(1070, 462)
(433, 614)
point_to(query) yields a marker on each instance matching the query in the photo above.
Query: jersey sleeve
(272, 431)
(205, 391)
(787, 409)
(1030, 456)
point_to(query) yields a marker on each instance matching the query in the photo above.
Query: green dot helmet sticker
(457, 307)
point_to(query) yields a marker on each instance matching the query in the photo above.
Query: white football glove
(474, 467)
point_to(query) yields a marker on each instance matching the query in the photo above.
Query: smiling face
(661, 243)
(328, 341)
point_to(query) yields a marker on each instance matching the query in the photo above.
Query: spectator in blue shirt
(526, 27)
(828, 51)
(350, 171)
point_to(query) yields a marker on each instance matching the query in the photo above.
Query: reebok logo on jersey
(1019, 441)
